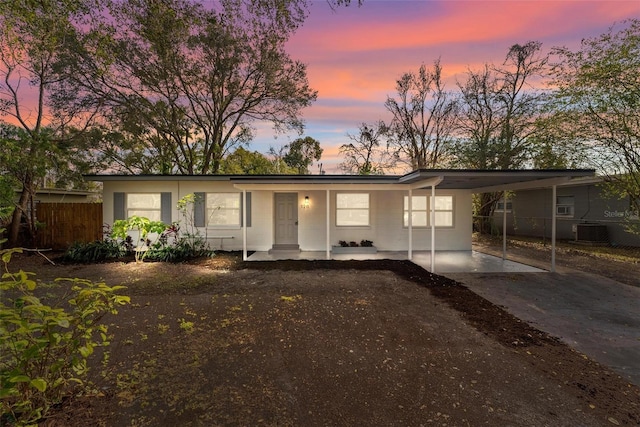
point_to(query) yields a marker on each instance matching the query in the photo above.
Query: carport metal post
(504, 225)
(553, 228)
(244, 225)
(410, 223)
(328, 243)
(433, 228)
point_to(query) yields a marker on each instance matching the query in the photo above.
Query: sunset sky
(354, 55)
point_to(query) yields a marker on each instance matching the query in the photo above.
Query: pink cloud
(355, 55)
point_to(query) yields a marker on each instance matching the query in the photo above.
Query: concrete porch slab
(446, 261)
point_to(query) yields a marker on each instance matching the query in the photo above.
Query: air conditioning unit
(596, 233)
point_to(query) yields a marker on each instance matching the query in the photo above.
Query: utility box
(594, 233)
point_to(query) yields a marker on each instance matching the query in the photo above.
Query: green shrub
(44, 348)
(100, 250)
(182, 249)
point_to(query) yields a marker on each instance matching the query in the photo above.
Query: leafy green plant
(182, 249)
(99, 250)
(191, 243)
(144, 228)
(44, 348)
(186, 326)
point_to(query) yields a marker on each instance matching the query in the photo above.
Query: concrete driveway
(597, 316)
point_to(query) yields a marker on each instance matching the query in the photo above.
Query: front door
(286, 216)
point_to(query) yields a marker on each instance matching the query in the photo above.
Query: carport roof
(458, 179)
(495, 180)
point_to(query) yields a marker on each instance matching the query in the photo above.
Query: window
(443, 207)
(443, 211)
(148, 205)
(500, 206)
(564, 206)
(352, 209)
(419, 211)
(223, 209)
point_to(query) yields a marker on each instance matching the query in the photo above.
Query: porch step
(284, 248)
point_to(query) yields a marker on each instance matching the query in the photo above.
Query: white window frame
(405, 214)
(414, 211)
(564, 208)
(345, 209)
(452, 211)
(210, 210)
(156, 213)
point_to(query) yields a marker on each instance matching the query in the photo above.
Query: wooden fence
(66, 223)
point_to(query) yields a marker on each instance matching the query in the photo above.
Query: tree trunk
(486, 203)
(20, 211)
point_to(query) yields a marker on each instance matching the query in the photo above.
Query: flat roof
(454, 179)
(472, 179)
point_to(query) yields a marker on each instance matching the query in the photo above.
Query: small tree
(143, 229)
(194, 243)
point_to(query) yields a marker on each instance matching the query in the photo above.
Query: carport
(502, 181)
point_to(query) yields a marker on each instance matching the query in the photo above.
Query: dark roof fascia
(315, 179)
(452, 177)
(538, 173)
(104, 178)
(58, 191)
(253, 179)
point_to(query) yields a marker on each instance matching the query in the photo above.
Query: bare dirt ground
(322, 343)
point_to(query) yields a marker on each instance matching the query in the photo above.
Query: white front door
(286, 217)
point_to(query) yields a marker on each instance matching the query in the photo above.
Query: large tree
(598, 101)
(183, 84)
(365, 154)
(245, 162)
(33, 97)
(301, 153)
(497, 124)
(421, 129)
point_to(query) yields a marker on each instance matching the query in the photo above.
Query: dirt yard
(222, 342)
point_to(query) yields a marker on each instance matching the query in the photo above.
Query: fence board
(66, 223)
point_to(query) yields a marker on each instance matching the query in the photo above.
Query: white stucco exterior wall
(386, 227)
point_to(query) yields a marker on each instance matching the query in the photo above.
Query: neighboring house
(58, 195)
(584, 211)
(315, 212)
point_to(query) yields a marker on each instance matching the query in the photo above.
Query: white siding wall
(312, 229)
(386, 229)
(388, 232)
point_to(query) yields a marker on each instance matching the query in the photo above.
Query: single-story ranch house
(422, 210)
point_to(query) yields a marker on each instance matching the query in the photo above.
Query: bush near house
(146, 240)
(44, 348)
